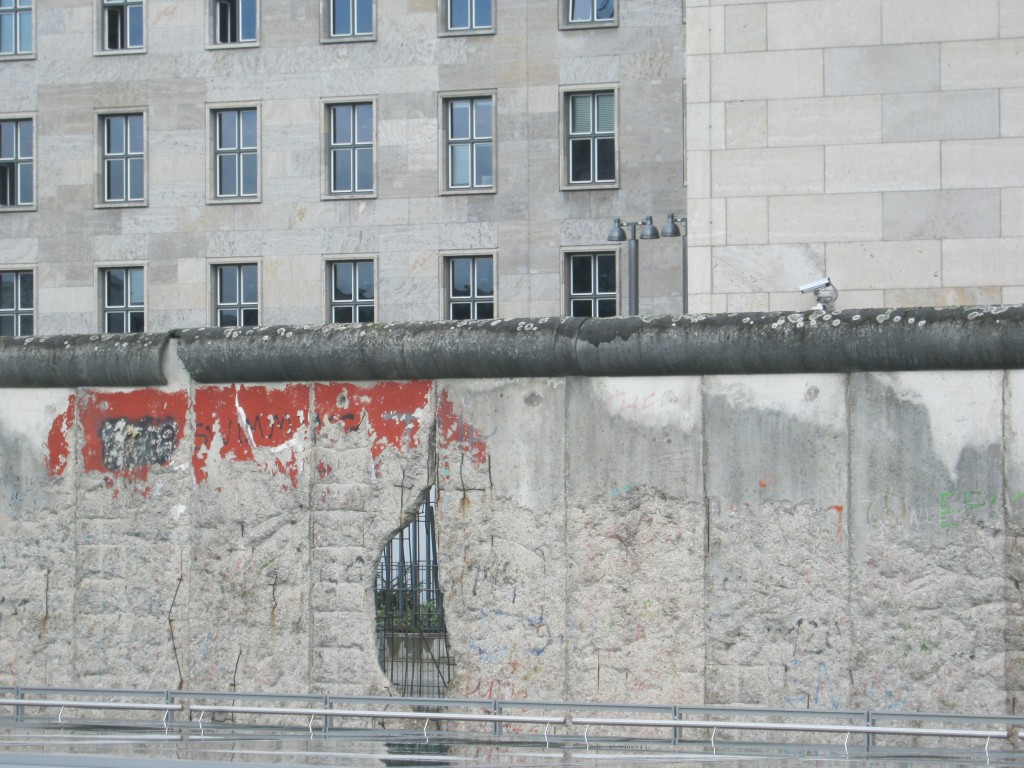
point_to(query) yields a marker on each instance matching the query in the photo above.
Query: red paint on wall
(390, 410)
(246, 418)
(57, 446)
(125, 433)
(454, 430)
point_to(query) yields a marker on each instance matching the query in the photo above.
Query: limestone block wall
(877, 142)
(803, 540)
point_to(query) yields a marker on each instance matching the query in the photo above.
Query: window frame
(355, 303)
(217, 306)
(128, 307)
(106, 8)
(17, 162)
(594, 135)
(327, 33)
(447, 102)
(18, 311)
(213, 25)
(18, 11)
(474, 299)
(128, 156)
(329, 148)
(444, 15)
(593, 294)
(565, 21)
(215, 196)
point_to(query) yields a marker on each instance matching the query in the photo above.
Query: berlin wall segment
(804, 539)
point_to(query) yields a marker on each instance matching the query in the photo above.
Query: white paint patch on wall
(650, 403)
(809, 398)
(965, 408)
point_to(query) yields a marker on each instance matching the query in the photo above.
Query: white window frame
(131, 309)
(18, 310)
(18, 25)
(121, 14)
(476, 139)
(227, 144)
(475, 25)
(475, 300)
(595, 135)
(18, 169)
(132, 156)
(571, 14)
(363, 310)
(358, 13)
(227, 23)
(357, 147)
(573, 292)
(240, 304)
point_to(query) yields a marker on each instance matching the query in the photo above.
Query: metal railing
(574, 719)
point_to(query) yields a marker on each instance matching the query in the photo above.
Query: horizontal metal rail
(379, 713)
(73, 704)
(805, 727)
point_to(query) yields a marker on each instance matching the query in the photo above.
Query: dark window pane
(458, 14)
(364, 169)
(341, 18)
(459, 122)
(8, 130)
(605, 160)
(227, 179)
(482, 13)
(115, 322)
(484, 277)
(364, 123)
(484, 119)
(250, 174)
(7, 36)
(6, 325)
(250, 284)
(365, 277)
(462, 277)
(227, 318)
(485, 310)
(579, 160)
(115, 136)
(364, 17)
(582, 308)
(136, 177)
(342, 170)
(342, 129)
(342, 315)
(605, 273)
(343, 282)
(484, 167)
(7, 290)
(115, 180)
(606, 307)
(581, 279)
(115, 288)
(248, 19)
(605, 9)
(27, 326)
(250, 317)
(227, 130)
(135, 27)
(25, 291)
(25, 139)
(136, 137)
(26, 193)
(228, 285)
(365, 314)
(462, 310)
(248, 117)
(136, 322)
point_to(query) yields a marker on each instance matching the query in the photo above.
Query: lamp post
(618, 235)
(648, 231)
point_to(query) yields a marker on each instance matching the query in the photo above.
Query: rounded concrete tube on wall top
(121, 360)
(775, 342)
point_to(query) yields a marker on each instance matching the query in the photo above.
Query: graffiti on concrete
(58, 448)
(453, 429)
(134, 443)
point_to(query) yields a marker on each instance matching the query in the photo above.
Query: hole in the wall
(412, 641)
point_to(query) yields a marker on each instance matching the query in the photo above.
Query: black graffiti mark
(137, 443)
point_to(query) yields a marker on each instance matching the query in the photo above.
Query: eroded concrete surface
(819, 540)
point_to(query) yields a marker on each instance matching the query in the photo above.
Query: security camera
(817, 285)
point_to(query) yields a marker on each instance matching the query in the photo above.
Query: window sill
(127, 204)
(233, 200)
(120, 52)
(581, 187)
(330, 196)
(329, 40)
(479, 32)
(18, 208)
(17, 56)
(222, 46)
(470, 191)
(602, 24)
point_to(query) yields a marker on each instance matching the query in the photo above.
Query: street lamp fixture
(617, 234)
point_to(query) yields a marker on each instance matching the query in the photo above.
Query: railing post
(677, 732)
(19, 711)
(327, 718)
(496, 709)
(869, 721)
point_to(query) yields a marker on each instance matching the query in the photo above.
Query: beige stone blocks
(825, 218)
(879, 265)
(983, 163)
(881, 69)
(766, 268)
(983, 64)
(771, 75)
(983, 262)
(957, 213)
(824, 121)
(884, 167)
(746, 28)
(749, 172)
(920, 21)
(824, 24)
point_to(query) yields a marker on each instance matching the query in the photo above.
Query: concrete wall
(878, 142)
(822, 539)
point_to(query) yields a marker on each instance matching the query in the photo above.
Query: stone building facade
(879, 142)
(180, 164)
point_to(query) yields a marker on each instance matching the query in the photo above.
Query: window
(592, 285)
(236, 153)
(238, 295)
(234, 21)
(16, 304)
(591, 140)
(351, 18)
(589, 11)
(470, 15)
(16, 179)
(15, 27)
(470, 137)
(351, 149)
(124, 300)
(470, 288)
(351, 291)
(123, 27)
(124, 164)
